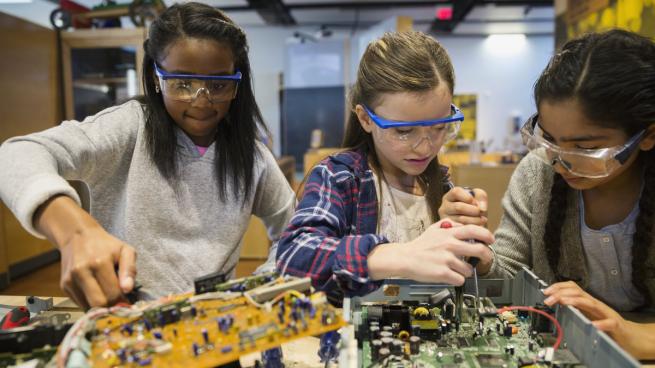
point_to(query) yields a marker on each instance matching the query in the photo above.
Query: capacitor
(437, 334)
(195, 348)
(458, 358)
(386, 342)
(397, 347)
(157, 335)
(531, 345)
(439, 356)
(376, 345)
(416, 330)
(383, 354)
(145, 361)
(449, 310)
(414, 345)
(127, 328)
(507, 332)
(205, 335)
(384, 334)
(444, 328)
(374, 332)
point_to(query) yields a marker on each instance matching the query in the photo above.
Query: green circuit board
(480, 342)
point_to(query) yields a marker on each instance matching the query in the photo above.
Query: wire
(560, 332)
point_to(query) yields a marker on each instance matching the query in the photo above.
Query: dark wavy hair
(399, 62)
(236, 134)
(612, 76)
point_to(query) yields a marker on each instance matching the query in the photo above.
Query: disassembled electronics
(418, 326)
(204, 330)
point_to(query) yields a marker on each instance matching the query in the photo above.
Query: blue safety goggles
(455, 116)
(187, 87)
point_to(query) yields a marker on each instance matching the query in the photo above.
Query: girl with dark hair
(579, 208)
(369, 212)
(174, 179)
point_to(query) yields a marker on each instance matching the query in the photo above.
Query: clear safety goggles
(412, 133)
(187, 87)
(589, 163)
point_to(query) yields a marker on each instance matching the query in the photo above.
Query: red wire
(560, 333)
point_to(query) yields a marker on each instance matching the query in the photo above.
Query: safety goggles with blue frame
(412, 133)
(187, 87)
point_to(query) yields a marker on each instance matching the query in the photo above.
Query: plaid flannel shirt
(334, 228)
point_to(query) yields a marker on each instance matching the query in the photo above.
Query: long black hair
(399, 62)
(612, 77)
(236, 134)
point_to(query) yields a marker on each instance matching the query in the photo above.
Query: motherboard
(405, 324)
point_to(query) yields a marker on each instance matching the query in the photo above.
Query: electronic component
(214, 328)
(207, 283)
(525, 333)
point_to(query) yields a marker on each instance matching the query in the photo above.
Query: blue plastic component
(146, 361)
(226, 349)
(205, 335)
(272, 358)
(328, 347)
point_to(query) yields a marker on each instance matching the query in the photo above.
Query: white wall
(267, 57)
(502, 79)
(267, 50)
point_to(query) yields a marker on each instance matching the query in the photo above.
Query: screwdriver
(473, 261)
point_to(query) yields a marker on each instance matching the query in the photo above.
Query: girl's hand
(88, 268)
(636, 338)
(89, 255)
(435, 256)
(460, 206)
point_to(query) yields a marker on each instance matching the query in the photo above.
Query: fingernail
(127, 283)
(549, 300)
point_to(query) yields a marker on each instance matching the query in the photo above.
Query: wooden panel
(30, 103)
(464, 158)
(492, 178)
(28, 77)
(314, 156)
(255, 241)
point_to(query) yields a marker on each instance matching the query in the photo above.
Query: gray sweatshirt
(178, 234)
(520, 236)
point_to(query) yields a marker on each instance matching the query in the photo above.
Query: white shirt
(403, 216)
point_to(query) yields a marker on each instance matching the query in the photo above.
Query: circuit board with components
(203, 330)
(434, 340)
(406, 324)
